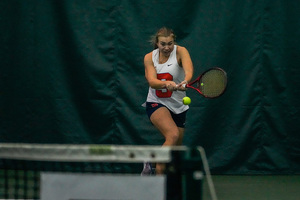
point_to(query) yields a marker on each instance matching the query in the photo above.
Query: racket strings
(213, 83)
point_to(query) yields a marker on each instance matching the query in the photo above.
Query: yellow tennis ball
(186, 100)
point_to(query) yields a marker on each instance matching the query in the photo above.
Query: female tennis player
(167, 68)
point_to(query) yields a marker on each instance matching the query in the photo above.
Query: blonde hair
(162, 32)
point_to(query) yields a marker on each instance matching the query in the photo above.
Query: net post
(184, 175)
(192, 178)
(174, 176)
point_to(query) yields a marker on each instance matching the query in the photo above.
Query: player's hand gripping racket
(211, 84)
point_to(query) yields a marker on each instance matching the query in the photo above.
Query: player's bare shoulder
(148, 56)
(181, 50)
(148, 59)
(181, 53)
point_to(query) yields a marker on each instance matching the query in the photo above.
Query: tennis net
(23, 165)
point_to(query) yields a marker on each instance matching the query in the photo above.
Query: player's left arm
(186, 63)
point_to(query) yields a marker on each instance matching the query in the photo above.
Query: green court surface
(254, 187)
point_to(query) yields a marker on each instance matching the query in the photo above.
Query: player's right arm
(151, 75)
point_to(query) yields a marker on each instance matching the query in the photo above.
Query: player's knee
(173, 137)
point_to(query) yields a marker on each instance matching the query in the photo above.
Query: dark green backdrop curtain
(72, 72)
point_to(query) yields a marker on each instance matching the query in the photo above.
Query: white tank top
(170, 71)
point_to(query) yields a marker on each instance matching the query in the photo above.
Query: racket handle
(183, 85)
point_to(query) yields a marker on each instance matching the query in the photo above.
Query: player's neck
(163, 58)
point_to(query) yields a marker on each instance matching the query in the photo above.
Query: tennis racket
(211, 83)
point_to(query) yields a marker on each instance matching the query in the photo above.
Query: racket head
(211, 83)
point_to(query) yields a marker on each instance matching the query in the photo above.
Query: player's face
(165, 45)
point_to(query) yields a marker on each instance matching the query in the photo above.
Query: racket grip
(183, 85)
(185, 82)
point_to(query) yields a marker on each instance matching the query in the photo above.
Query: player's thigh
(163, 120)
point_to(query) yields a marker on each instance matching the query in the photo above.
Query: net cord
(88, 153)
